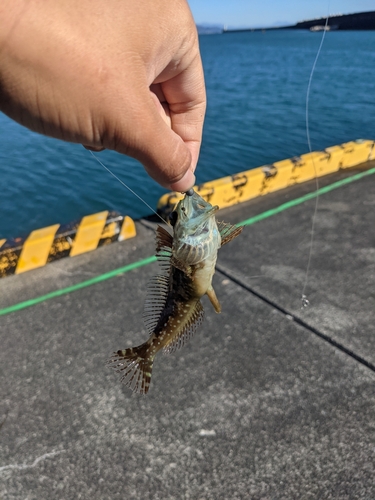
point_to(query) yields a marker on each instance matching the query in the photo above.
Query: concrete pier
(267, 401)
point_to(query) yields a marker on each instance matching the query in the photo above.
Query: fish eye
(173, 218)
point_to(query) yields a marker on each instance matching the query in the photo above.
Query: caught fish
(173, 309)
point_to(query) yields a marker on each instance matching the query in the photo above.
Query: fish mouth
(197, 204)
(198, 209)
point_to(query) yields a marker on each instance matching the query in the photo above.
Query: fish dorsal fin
(163, 238)
(164, 242)
(228, 232)
(156, 298)
(193, 322)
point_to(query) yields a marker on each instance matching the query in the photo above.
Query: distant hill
(209, 29)
(358, 21)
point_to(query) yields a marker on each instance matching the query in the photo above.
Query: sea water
(256, 88)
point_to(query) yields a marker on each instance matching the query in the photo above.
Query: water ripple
(256, 87)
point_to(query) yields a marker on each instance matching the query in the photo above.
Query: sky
(268, 13)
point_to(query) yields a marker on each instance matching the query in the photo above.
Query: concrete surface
(256, 406)
(341, 280)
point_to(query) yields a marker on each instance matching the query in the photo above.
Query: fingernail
(93, 148)
(184, 184)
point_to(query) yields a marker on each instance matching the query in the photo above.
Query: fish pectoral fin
(213, 299)
(194, 318)
(228, 232)
(163, 238)
(181, 266)
(135, 367)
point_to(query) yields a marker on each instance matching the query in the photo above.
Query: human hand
(114, 74)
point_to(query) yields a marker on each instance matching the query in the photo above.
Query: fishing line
(135, 265)
(304, 299)
(125, 185)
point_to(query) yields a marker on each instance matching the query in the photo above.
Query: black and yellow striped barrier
(54, 242)
(244, 186)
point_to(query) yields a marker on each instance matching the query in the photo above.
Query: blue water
(256, 85)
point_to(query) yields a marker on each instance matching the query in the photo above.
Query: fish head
(195, 233)
(192, 214)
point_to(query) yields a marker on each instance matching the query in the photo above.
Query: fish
(173, 309)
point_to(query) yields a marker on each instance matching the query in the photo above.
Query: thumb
(163, 153)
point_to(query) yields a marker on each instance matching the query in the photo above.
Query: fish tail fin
(135, 367)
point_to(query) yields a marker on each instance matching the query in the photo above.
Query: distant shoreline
(342, 22)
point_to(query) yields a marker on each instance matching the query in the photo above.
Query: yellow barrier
(89, 233)
(249, 184)
(36, 248)
(53, 242)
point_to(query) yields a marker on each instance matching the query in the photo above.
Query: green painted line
(149, 260)
(78, 286)
(306, 197)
